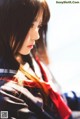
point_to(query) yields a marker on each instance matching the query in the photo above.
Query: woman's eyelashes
(40, 26)
(36, 26)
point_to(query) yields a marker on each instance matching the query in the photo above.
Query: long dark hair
(16, 18)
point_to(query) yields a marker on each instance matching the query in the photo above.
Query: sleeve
(11, 102)
(20, 103)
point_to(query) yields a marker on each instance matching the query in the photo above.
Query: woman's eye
(40, 26)
(34, 26)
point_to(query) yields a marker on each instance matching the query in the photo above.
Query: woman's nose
(37, 35)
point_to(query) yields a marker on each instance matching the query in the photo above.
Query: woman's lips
(30, 46)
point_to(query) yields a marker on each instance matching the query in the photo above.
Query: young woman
(24, 92)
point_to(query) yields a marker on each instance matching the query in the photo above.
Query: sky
(64, 43)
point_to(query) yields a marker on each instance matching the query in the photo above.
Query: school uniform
(23, 102)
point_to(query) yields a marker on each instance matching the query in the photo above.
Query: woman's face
(32, 35)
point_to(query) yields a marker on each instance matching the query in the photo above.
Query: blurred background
(64, 44)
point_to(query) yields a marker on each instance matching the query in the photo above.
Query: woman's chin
(25, 53)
